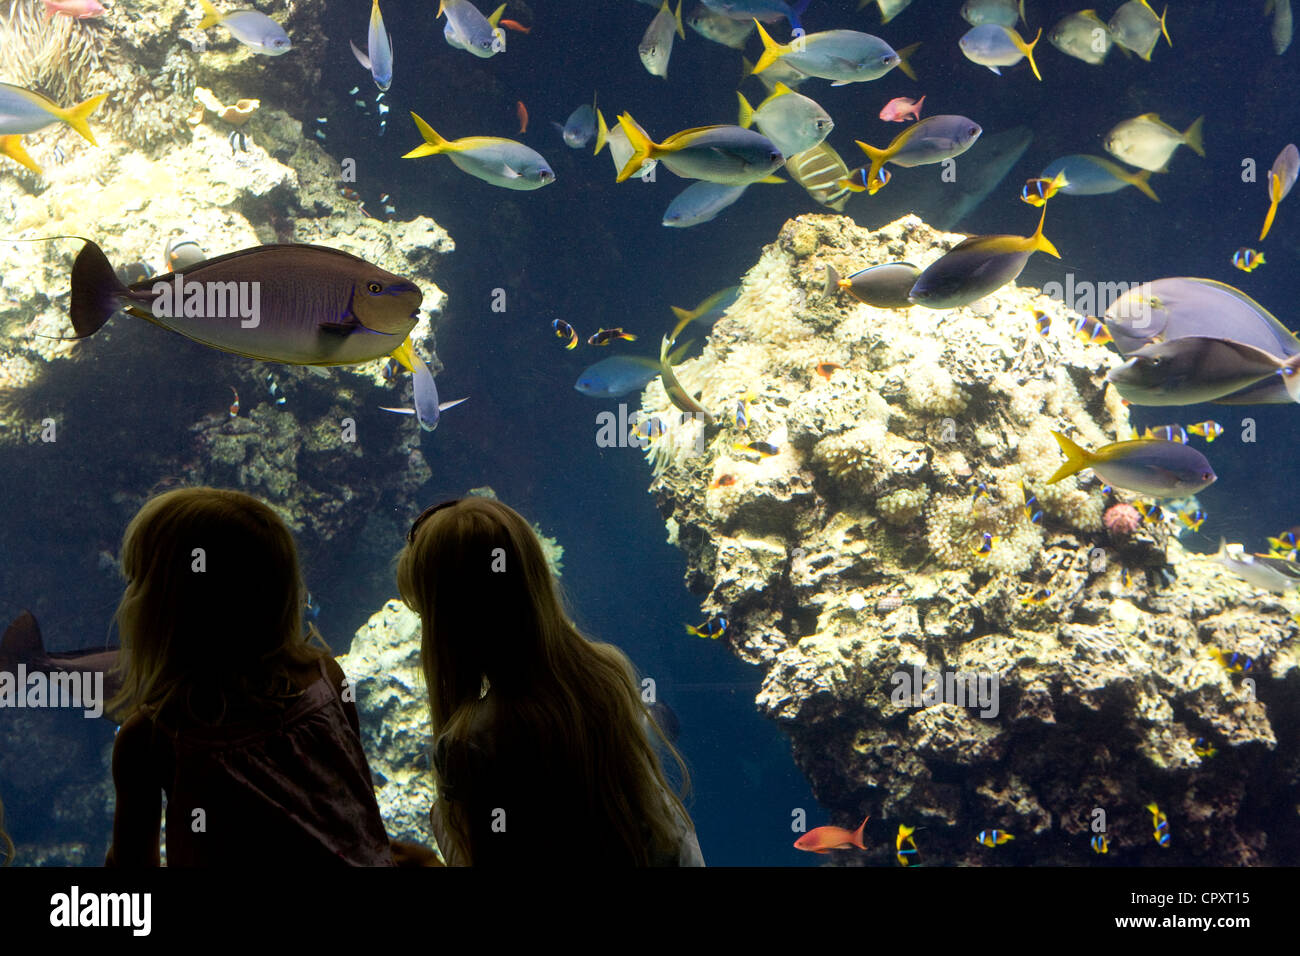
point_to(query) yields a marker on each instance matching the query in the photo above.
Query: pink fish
(896, 110)
(81, 9)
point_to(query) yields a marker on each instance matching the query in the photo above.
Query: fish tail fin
(1076, 459)
(495, 18)
(916, 110)
(856, 839)
(1142, 181)
(685, 315)
(1268, 220)
(746, 111)
(681, 31)
(832, 280)
(878, 158)
(602, 133)
(211, 15)
(1028, 50)
(746, 68)
(642, 147)
(1022, 14)
(95, 290)
(1041, 242)
(1194, 136)
(433, 143)
(12, 146)
(903, 61)
(22, 641)
(772, 51)
(402, 355)
(76, 116)
(1163, 28)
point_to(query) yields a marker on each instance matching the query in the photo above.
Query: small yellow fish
(1161, 824)
(906, 857)
(1247, 260)
(993, 837)
(985, 546)
(1036, 192)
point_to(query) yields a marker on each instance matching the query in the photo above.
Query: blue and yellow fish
(1203, 748)
(563, 330)
(1247, 260)
(1161, 824)
(906, 857)
(1031, 509)
(1193, 518)
(1168, 433)
(1091, 329)
(1036, 192)
(1043, 321)
(981, 491)
(1100, 844)
(605, 336)
(985, 546)
(1209, 430)
(1233, 663)
(1041, 596)
(994, 837)
(713, 628)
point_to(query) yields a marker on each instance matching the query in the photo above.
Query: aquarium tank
(907, 387)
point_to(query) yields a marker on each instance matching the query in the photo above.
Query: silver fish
(1282, 26)
(1083, 36)
(1136, 27)
(255, 30)
(792, 121)
(1262, 570)
(1001, 12)
(467, 29)
(700, 202)
(719, 27)
(657, 44)
(995, 46)
(1147, 142)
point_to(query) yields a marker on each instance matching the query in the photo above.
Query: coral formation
(906, 522)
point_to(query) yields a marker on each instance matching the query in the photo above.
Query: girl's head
(213, 596)
(475, 572)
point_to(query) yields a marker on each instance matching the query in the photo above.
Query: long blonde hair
(492, 616)
(213, 600)
(6, 843)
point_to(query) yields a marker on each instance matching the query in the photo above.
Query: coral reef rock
(849, 564)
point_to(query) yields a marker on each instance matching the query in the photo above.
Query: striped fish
(819, 171)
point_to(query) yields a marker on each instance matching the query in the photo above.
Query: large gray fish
(1195, 369)
(250, 27)
(657, 45)
(699, 203)
(886, 286)
(1148, 466)
(1147, 141)
(719, 27)
(719, 154)
(580, 127)
(843, 56)
(22, 644)
(1168, 309)
(977, 266)
(1001, 12)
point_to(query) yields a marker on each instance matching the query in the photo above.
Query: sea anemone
(1121, 520)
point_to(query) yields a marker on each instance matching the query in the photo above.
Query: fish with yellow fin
(1281, 177)
(977, 266)
(1037, 191)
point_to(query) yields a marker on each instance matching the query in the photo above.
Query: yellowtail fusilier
(888, 8)
(1195, 369)
(1147, 142)
(657, 44)
(718, 154)
(720, 28)
(843, 56)
(932, 140)
(997, 46)
(620, 150)
(1136, 27)
(501, 162)
(1281, 177)
(26, 111)
(1148, 466)
(977, 266)
(792, 121)
(1001, 12)
(1083, 36)
(1095, 176)
(379, 45)
(886, 286)
(820, 171)
(467, 29)
(253, 29)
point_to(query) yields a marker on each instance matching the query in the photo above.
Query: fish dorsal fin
(495, 19)
(22, 639)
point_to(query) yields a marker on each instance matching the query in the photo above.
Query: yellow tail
(1028, 50)
(1040, 242)
(1268, 220)
(878, 159)
(602, 133)
(772, 51)
(1194, 138)
(1076, 459)
(403, 355)
(211, 15)
(12, 146)
(746, 111)
(433, 143)
(642, 147)
(903, 63)
(496, 16)
(76, 116)
(681, 32)
(1142, 181)
(1164, 29)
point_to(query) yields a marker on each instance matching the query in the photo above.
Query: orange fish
(520, 28)
(827, 369)
(825, 839)
(522, 112)
(723, 481)
(234, 406)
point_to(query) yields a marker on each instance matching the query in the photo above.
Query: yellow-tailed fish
(501, 162)
(996, 46)
(25, 111)
(792, 121)
(1280, 180)
(931, 140)
(1095, 176)
(1083, 36)
(657, 45)
(1136, 27)
(977, 266)
(885, 286)
(717, 154)
(676, 393)
(1160, 823)
(467, 29)
(252, 28)
(378, 58)
(1148, 466)
(842, 56)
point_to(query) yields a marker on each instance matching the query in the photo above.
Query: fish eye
(972, 131)
(374, 287)
(1206, 476)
